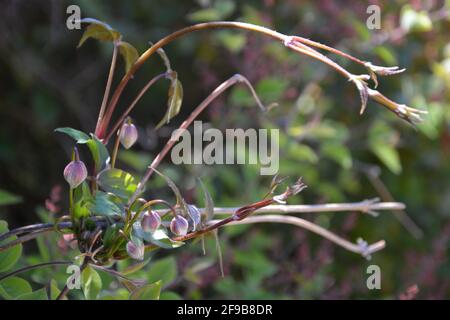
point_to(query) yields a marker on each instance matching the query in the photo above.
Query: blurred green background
(46, 82)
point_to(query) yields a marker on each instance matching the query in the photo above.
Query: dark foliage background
(47, 83)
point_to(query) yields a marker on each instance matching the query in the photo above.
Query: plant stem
(35, 266)
(66, 289)
(107, 88)
(116, 147)
(299, 47)
(237, 78)
(132, 105)
(366, 206)
(365, 251)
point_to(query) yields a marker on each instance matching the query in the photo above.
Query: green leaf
(382, 141)
(170, 295)
(77, 135)
(9, 257)
(129, 54)
(91, 282)
(98, 149)
(158, 238)
(209, 204)
(388, 155)
(164, 270)
(98, 30)
(104, 206)
(44, 248)
(135, 267)
(338, 153)
(12, 287)
(7, 198)
(40, 294)
(81, 209)
(176, 191)
(221, 10)
(99, 152)
(54, 291)
(174, 101)
(118, 182)
(147, 292)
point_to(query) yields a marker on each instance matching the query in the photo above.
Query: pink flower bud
(75, 173)
(151, 221)
(135, 251)
(179, 226)
(128, 135)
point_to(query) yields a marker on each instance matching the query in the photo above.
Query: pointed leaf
(129, 54)
(77, 135)
(98, 30)
(147, 292)
(174, 101)
(99, 152)
(209, 204)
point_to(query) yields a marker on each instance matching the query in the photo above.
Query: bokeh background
(46, 82)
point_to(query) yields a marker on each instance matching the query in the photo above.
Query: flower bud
(179, 226)
(135, 251)
(75, 173)
(128, 135)
(151, 221)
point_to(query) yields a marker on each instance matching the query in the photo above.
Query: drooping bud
(179, 225)
(128, 135)
(75, 172)
(136, 250)
(151, 221)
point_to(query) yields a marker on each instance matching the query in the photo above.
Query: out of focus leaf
(209, 204)
(40, 294)
(12, 287)
(338, 153)
(129, 54)
(98, 30)
(8, 198)
(164, 269)
(147, 292)
(135, 267)
(118, 182)
(9, 257)
(219, 11)
(174, 102)
(91, 283)
(170, 295)
(388, 155)
(415, 21)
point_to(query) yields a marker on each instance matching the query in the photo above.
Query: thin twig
(237, 78)
(108, 87)
(361, 247)
(132, 105)
(298, 46)
(366, 206)
(35, 266)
